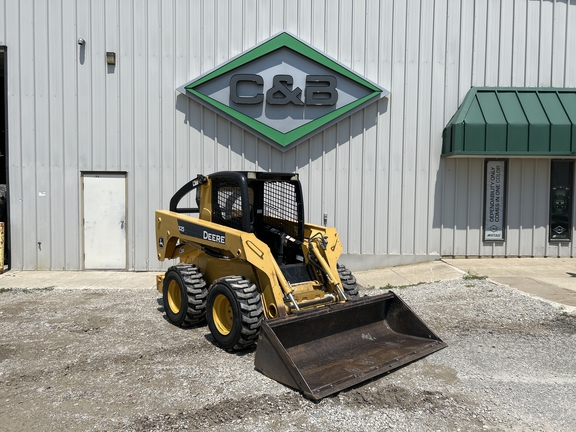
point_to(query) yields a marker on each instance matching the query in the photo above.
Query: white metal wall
(527, 210)
(378, 175)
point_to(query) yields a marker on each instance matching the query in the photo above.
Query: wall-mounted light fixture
(110, 58)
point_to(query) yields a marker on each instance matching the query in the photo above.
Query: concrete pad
(412, 274)
(34, 279)
(541, 268)
(379, 278)
(127, 280)
(77, 279)
(540, 289)
(552, 279)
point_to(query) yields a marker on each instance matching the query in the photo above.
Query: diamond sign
(283, 90)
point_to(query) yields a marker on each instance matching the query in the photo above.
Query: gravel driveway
(80, 360)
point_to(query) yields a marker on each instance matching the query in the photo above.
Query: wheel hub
(222, 314)
(174, 297)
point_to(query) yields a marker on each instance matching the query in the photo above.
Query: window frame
(551, 203)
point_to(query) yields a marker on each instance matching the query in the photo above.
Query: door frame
(5, 167)
(84, 174)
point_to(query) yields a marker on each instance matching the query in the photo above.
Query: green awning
(518, 121)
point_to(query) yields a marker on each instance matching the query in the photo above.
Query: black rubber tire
(348, 281)
(245, 313)
(187, 282)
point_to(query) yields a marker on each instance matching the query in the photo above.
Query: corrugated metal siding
(378, 174)
(527, 210)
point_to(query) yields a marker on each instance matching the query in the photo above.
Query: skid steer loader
(257, 273)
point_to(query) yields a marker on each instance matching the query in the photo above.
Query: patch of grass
(391, 287)
(473, 276)
(26, 290)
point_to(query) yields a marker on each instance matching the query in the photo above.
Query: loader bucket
(334, 347)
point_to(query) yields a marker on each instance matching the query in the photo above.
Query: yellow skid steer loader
(257, 273)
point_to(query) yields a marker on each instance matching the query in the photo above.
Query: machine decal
(200, 232)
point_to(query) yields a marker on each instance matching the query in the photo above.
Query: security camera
(81, 41)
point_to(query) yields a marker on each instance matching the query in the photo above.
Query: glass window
(561, 175)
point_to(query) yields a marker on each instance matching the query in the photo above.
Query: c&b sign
(283, 91)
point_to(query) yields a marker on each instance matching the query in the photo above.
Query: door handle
(121, 224)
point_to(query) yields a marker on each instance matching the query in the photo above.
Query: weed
(391, 287)
(26, 290)
(473, 276)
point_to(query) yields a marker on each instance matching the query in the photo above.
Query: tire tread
(196, 290)
(348, 281)
(252, 313)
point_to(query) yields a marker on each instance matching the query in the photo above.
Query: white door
(104, 221)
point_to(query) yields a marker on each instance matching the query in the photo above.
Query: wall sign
(495, 178)
(283, 90)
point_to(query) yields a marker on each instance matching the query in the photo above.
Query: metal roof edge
(450, 148)
(462, 110)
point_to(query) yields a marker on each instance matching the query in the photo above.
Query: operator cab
(270, 205)
(266, 204)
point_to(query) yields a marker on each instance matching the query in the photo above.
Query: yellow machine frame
(310, 334)
(246, 255)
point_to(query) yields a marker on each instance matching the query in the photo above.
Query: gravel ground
(81, 360)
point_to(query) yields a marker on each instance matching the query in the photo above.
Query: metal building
(96, 134)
